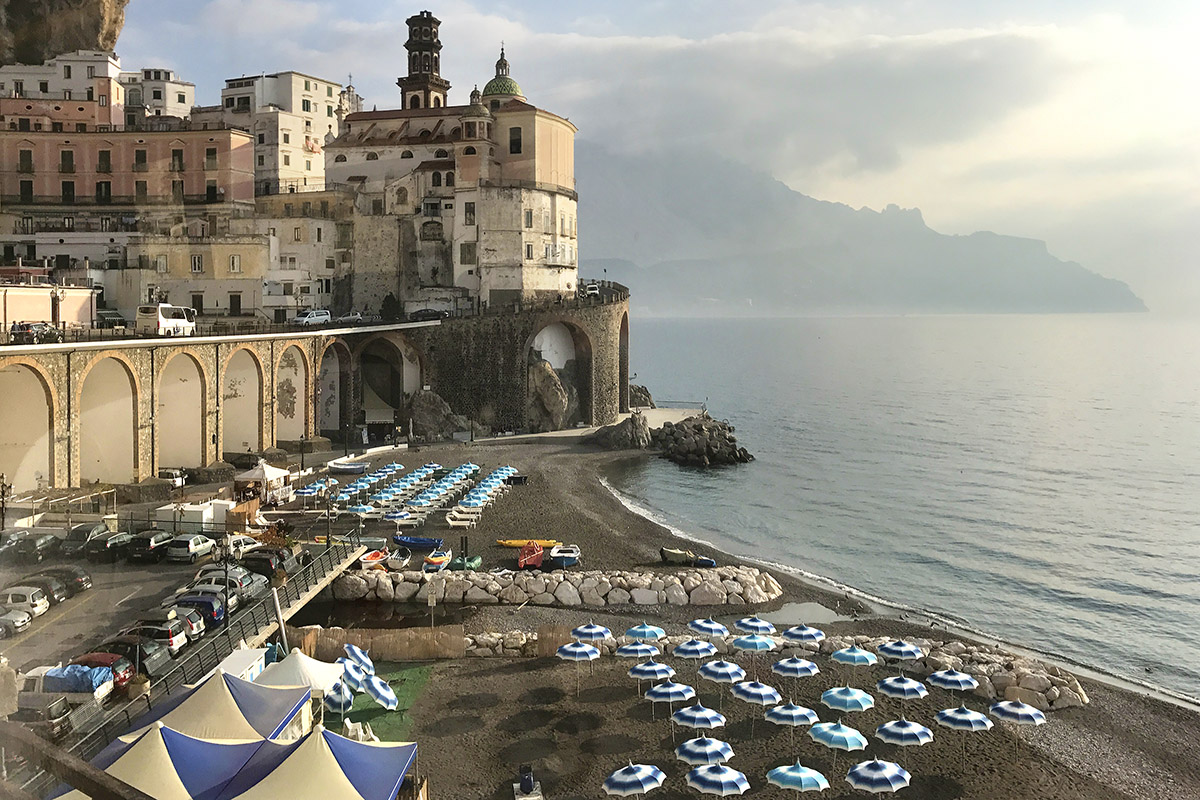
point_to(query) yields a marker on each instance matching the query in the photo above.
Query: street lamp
(5, 489)
(303, 440)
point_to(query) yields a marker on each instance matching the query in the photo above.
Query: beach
(479, 719)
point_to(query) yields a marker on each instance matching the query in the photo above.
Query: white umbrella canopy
(298, 669)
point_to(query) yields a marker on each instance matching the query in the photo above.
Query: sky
(1074, 122)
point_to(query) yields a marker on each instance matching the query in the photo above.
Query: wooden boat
(672, 556)
(438, 560)
(465, 563)
(417, 542)
(373, 559)
(564, 555)
(342, 467)
(399, 559)
(519, 543)
(530, 556)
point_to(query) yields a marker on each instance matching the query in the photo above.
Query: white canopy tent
(301, 670)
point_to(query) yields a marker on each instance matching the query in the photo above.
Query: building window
(329, 263)
(66, 72)
(468, 213)
(307, 164)
(103, 100)
(529, 218)
(25, 161)
(449, 178)
(431, 231)
(377, 206)
(181, 98)
(262, 138)
(235, 263)
(287, 209)
(437, 179)
(56, 127)
(432, 209)
(329, 111)
(229, 102)
(287, 160)
(44, 87)
(210, 158)
(319, 233)
(177, 191)
(26, 191)
(81, 127)
(466, 253)
(287, 138)
(547, 253)
(307, 85)
(66, 161)
(441, 154)
(339, 159)
(68, 191)
(104, 161)
(262, 161)
(372, 156)
(305, 106)
(91, 72)
(139, 160)
(529, 252)
(295, 234)
(406, 154)
(68, 223)
(177, 161)
(211, 193)
(160, 263)
(468, 151)
(156, 94)
(197, 262)
(562, 224)
(514, 140)
(103, 191)
(139, 191)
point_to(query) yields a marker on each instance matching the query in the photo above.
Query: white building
(81, 75)
(155, 92)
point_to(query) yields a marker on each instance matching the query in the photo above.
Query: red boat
(530, 555)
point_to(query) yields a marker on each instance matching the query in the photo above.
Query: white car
(175, 476)
(13, 621)
(29, 599)
(189, 547)
(239, 545)
(353, 318)
(314, 316)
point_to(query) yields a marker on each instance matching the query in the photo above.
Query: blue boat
(418, 542)
(564, 555)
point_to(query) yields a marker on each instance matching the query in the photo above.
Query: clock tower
(423, 87)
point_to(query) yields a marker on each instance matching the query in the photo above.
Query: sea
(1031, 478)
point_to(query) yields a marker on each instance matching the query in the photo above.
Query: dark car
(122, 667)
(210, 608)
(148, 656)
(34, 549)
(77, 579)
(56, 591)
(426, 314)
(108, 547)
(34, 333)
(268, 563)
(8, 543)
(149, 545)
(47, 715)
(78, 537)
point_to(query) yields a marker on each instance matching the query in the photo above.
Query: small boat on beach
(438, 560)
(564, 555)
(399, 559)
(519, 543)
(465, 563)
(530, 556)
(341, 466)
(672, 555)
(417, 542)
(373, 559)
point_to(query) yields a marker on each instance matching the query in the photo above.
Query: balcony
(140, 166)
(66, 169)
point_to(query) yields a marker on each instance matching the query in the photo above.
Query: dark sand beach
(478, 719)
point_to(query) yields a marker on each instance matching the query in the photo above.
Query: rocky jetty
(699, 441)
(731, 585)
(639, 397)
(631, 433)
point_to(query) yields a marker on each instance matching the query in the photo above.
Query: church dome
(476, 108)
(502, 84)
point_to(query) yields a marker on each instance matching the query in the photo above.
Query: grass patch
(407, 681)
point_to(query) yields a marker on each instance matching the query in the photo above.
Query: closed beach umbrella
(637, 650)
(721, 672)
(707, 627)
(798, 778)
(704, 750)
(799, 634)
(844, 698)
(900, 650)
(902, 688)
(381, 693)
(636, 779)
(793, 716)
(718, 779)
(878, 776)
(754, 625)
(360, 657)
(837, 736)
(353, 675)
(591, 633)
(855, 656)
(694, 648)
(965, 720)
(646, 633)
(698, 716)
(904, 733)
(577, 652)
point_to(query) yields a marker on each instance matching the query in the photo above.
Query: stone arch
(390, 369)
(291, 394)
(623, 364)
(108, 406)
(559, 375)
(334, 390)
(26, 433)
(242, 402)
(181, 400)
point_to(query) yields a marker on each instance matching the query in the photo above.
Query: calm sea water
(1035, 477)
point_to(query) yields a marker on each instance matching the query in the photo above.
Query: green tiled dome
(502, 84)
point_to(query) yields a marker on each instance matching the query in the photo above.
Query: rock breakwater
(699, 441)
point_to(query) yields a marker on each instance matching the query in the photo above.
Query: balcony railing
(115, 200)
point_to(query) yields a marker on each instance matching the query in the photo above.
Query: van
(314, 316)
(164, 319)
(171, 633)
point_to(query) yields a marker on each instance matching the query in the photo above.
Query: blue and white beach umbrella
(963, 719)
(878, 776)
(953, 680)
(798, 778)
(755, 643)
(757, 693)
(900, 650)
(646, 633)
(904, 733)
(698, 716)
(754, 625)
(381, 693)
(360, 657)
(636, 779)
(844, 698)
(339, 698)
(799, 634)
(722, 672)
(577, 652)
(704, 750)
(353, 675)
(361, 509)
(670, 692)
(795, 668)
(902, 688)
(792, 714)
(855, 656)
(1017, 712)
(636, 650)
(707, 627)
(837, 736)
(343, 497)
(694, 648)
(396, 516)
(719, 780)
(651, 671)
(591, 633)
(307, 491)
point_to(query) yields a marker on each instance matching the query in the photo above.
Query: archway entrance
(241, 404)
(291, 396)
(559, 378)
(180, 413)
(25, 425)
(390, 371)
(108, 424)
(333, 392)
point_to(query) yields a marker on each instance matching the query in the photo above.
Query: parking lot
(119, 592)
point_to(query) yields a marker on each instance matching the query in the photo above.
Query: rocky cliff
(32, 31)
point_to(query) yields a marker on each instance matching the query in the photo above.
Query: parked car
(189, 547)
(110, 547)
(34, 333)
(110, 318)
(148, 656)
(122, 667)
(77, 538)
(13, 621)
(353, 318)
(210, 608)
(427, 314)
(590, 290)
(8, 542)
(76, 579)
(56, 591)
(209, 587)
(29, 599)
(177, 477)
(189, 616)
(314, 316)
(246, 587)
(35, 548)
(47, 715)
(238, 545)
(172, 633)
(267, 564)
(149, 545)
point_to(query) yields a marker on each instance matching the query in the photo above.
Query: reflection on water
(340, 614)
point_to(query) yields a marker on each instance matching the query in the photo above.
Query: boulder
(567, 594)
(405, 591)
(430, 416)
(756, 595)
(455, 589)
(479, 596)
(437, 588)
(1036, 682)
(1035, 699)
(631, 433)
(591, 597)
(548, 400)
(708, 593)
(645, 597)
(735, 599)
(617, 597)
(349, 587)
(543, 599)
(1065, 699)
(676, 595)
(639, 397)
(383, 589)
(513, 595)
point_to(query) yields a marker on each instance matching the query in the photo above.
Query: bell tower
(423, 87)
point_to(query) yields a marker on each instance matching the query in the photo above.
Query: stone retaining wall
(730, 585)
